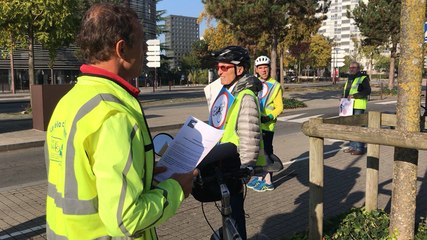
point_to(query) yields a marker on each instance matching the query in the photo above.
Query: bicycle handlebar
(243, 172)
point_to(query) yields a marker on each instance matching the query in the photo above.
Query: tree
(347, 61)
(52, 23)
(10, 37)
(319, 52)
(219, 37)
(382, 63)
(59, 34)
(305, 18)
(160, 19)
(378, 21)
(402, 217)
(251, 19)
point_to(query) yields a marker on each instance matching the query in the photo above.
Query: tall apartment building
(181, 33)
(66, 67)
(341, 30)
(146, 11)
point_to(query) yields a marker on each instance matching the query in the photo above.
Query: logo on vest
(218, 113)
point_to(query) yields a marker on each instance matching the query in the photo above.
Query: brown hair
(102, 27)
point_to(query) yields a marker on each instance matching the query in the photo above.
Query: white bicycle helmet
(262, 60)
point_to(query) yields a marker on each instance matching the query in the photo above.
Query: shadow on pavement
(15, 125)
(337, 196)
(25, 230)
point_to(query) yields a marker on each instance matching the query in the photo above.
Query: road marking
(17, 233)
(286, 118)
(301, 120)
(385, 103)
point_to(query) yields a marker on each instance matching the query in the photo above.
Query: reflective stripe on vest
(359, 103)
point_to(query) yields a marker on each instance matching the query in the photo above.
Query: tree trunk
(402, 217)
(52, 77)
(392, 66)
(12, 73)
(31, 56)
(273, 57)
(282, 77)
(371, 66)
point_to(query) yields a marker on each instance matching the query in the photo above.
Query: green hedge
(290, 103)
(361, 224)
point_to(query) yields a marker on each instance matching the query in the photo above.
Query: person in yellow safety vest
(99, 151)
(358, 88)
(271, 102)
(235, 109)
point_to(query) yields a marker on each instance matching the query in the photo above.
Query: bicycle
(221, 176)
(217, 182)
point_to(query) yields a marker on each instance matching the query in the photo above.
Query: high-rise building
(146, 11)
(341, 29)
(66, 66)
(181, 33)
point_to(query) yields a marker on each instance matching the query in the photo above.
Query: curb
(23, 145)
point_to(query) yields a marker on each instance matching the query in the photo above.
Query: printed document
(346, 107)
(192, 143)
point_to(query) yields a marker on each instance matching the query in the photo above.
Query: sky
(191, 8)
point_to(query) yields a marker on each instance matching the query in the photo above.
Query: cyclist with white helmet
(271, 104)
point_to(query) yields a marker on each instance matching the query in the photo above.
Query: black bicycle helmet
(236, 55)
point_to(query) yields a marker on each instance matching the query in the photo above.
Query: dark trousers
(267, 137)
(238, 213)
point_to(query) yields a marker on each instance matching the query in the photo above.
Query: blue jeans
(359, 146)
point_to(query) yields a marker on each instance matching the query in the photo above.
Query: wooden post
(372, 166)
(316, 185)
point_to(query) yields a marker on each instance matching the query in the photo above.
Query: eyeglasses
(353, 67)
(224, 68)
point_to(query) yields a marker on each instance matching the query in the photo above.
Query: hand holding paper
(192, 143)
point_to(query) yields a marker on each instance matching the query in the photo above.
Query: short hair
(102, 27)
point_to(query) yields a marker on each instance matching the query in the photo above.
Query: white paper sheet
(346, 107)
(192, 143)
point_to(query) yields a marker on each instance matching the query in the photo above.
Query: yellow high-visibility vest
(100, 162)
(359, 103)
(269, 104)
(230, 129)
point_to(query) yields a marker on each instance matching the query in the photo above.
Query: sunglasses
(224, 68)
